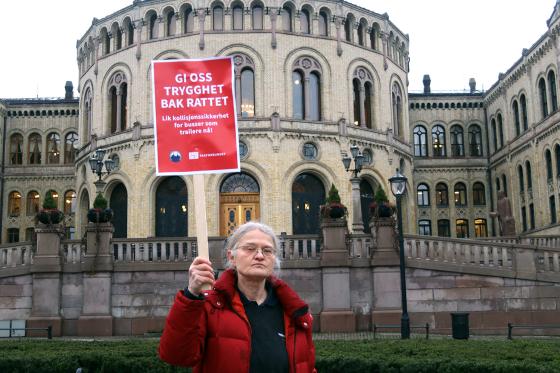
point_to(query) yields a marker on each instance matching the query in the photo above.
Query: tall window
(462, 228)
(349, 28)
(171, 208)
(423, 195)
(457, 146)
(188, 20)
(532, 216)
(520, 177)
(287, 18)
(366, 198)
(170, 23)
(257, 17)
(557, 157)
(14, 204)
(118, 90)
(504, 184)
(129, 27)
(460, 194)
(501, 130)
(32, 203)
(16, 149)
(373, 35)
(529, 175)
(244, 68)
(119, 204)
(494, 134)
(308, 194)
(323, 23)
(361, 33)
(548, 159)
(552, 204)
(420, 141)
(524, 218)
(152, 26)
(363, 97)
(479, 194)
(444, 229)
(70, 147)
(218, 18)
(306, 89)
(480, 229)
(34, 149)
(552, 90)
(237, 15)
(53, 148)
(425, 227)
(438, 141)
(542, 96)
(13, 235)
(524, 116)
(397, 103)
(475, 141)
(69, 202)
(516, 120)
(304, 21)
(442, 197)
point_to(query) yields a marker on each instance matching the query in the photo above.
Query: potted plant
(50, 214)
(333, 208)
(380, 207)
(100, 213)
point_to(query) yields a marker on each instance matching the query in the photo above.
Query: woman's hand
(201, 273)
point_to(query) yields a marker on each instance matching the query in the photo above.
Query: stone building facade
(312, 80)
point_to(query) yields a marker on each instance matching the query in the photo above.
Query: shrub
(49, 203)
(100, 202)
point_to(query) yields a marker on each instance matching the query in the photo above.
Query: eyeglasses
(253, 250)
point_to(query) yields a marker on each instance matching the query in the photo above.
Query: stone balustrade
(16, 255)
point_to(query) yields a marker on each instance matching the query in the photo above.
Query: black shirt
(268, 342)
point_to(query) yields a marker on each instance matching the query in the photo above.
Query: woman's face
(255, 256)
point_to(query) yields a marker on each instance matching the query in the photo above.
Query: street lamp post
(96, 163)
(398, 187)
(357, 224)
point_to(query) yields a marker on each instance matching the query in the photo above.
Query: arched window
(118, 91)
(552, 206)
(438, 141)
(257, 15)
(129, 29)
(552, 90)
(70, 147)
(397, 103)
(323, 23)
(188, 19)
(170, 25)
(457, 146)
(118, 202)
(117, 33)
(306, 89)
(88, 113)
(53, 148)
(557, 156)
(152, 26)
(54, 195)
(305, 21)
(105, 42)
(425, 227)
(529, 175)
(494, 134)
(516, 120)
(462, 228)
(366, 198)
(373, 36)
(479, 194)
(363, 98)
(524, 115)
(442, 196)
(480, 229)
(69, 202)
(475, 141)
(16, 149)
(520, 178)
(34, 149)
(14, 204)
(348, 28)
(287, 20)
(239, 196)
(423, 195)
(171, 208)
(444, 229)
(218, 17)
(500, 130)
(237, 15)
(244, 68)
(32, 203)
(362, 33)
(308, 194)
(504, 184)
(548, 159)
(460, 194)
(420, 141)
(542, 96)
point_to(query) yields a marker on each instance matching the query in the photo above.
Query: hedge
(442, 356)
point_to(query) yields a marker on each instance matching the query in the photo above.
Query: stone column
(362, 105)
(201, 18)
(384, 42)
(338, 25)
(119, 111)
(47, 281)
(138, 30)
(357, 223)
(273, 22)
(97, 266)
(337, 314)
(306, 98)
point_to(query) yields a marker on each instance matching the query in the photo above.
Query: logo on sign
(175, 156)
(193, 155)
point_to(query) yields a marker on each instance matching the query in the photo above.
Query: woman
(250, 322)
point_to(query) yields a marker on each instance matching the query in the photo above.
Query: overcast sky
(451, 40)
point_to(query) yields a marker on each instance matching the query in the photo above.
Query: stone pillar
(362, 105)
(47, 281)
(337, 314)
(95, 318)
(338, 25)
(201, 18)
(357, 223)
(273, 19)
(385, 250)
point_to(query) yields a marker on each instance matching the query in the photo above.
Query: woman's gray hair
(232, 242)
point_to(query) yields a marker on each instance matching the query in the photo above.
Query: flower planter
(100, 215)
(382, 210)
(50, 216)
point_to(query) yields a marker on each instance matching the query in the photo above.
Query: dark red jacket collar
(292, 304)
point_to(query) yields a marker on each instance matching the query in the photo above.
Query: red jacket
(214, 335)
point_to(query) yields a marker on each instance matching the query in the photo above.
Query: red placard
(195, 119)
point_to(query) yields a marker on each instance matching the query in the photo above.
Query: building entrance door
(237, 209)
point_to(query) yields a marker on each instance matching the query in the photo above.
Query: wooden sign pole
(200, 217)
